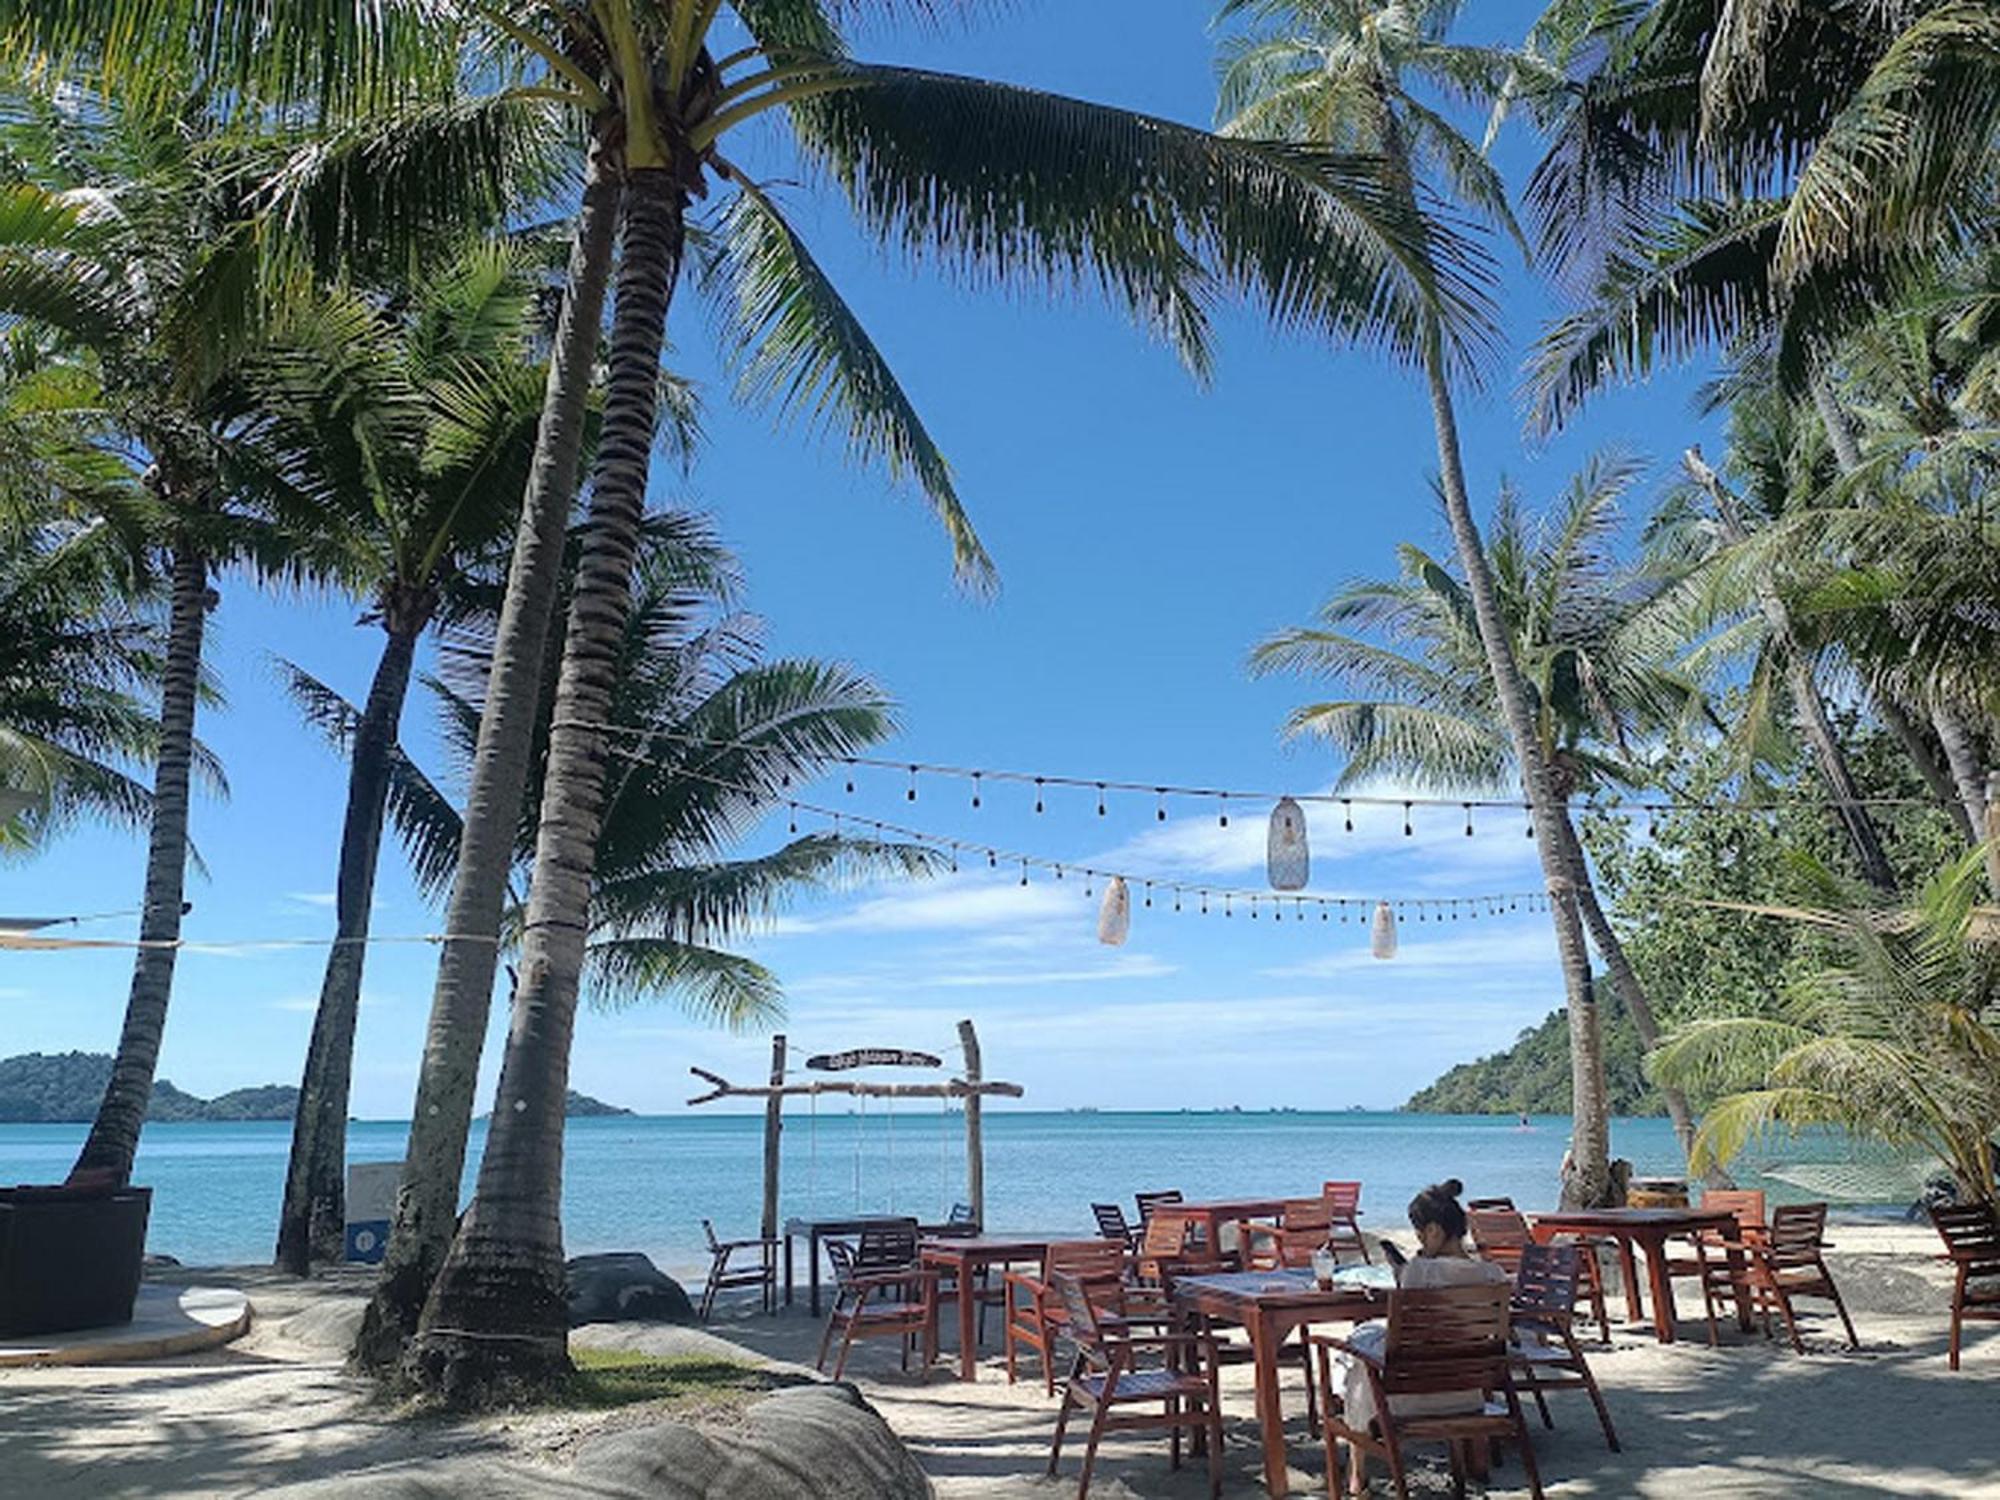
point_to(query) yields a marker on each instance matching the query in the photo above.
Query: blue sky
(1148, 532)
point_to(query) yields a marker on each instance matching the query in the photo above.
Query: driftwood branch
(956, 1088)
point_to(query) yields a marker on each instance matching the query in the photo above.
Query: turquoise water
(636, 1183)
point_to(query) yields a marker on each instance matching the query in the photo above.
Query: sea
(645, 1183)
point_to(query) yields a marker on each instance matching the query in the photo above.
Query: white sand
(1747, 1419)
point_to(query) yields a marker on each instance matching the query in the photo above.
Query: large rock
(813, 1442)
(624, 1288)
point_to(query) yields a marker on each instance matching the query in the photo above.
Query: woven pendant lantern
(1287, 857)
(1382, 936)
(1114, 917)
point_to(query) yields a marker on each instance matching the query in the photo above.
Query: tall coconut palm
(1774, 467)
(391, 438)
(1430, 715)
(993, 179)
(1361, 75)
(127, 232)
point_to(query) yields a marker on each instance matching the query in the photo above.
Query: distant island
(64, 1088)
(56, 1088)
(1532, 1076)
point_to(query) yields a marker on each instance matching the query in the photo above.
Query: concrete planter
(70, 1257)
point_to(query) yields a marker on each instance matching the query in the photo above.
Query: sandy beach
(1748, 1418)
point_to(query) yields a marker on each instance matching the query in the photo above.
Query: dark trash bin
(70, 1257)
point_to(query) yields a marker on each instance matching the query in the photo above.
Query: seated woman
(1441, 1261)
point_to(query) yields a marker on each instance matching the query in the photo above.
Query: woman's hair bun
(1451, 1187)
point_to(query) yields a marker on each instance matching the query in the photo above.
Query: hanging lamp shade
(1382, 934)
(1114, 917)
(1286, 854)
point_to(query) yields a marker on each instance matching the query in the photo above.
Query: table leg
(1264, 1339)
(968, 1337)
(1628, 1272)
(1663, 1288)
(812, 1272)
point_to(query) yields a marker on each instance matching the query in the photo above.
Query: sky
(1148, 530)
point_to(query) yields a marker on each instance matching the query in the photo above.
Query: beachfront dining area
(1270, 1344)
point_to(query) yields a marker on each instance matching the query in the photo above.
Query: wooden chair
(1113, 1225)
(1114, 1370)
(887, 1247)
(1147, 1202)
(1442, 1341)
(900, 1303)
(1971, 1233)
(1546, 1355)
(1343, 1214)
(1500, 1233)
(1167, 1250)
(1723, 1265)
(1302, 1227)
(1789, 1262)
(961, 1220)
(763, 1275)
(1035, 1314)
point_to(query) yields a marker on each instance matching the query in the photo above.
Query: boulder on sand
(821, 1441)
(624, 1288)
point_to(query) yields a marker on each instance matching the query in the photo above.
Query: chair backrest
(841, 1255)
(1971, 1232)
(1472, 1203)
(1343, 1199)
(1545, 1283)
(961, 1213)
(1084, 1330)
(1149, 1201)
(1796, 1232)
(1499, 1233)
(1746, 1203)
(714, 1244)
(1446, 1339)
(887, 1245)
(1166, 1236)
(1305, 1213)
(1111, 1221)
(1086, 1260)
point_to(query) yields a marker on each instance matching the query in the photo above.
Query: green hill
(48, 1088)
(1532, 1076)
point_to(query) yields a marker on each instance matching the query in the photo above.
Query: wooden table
(965, 1257)
(1272, 1305)
(817, 1230)
(1647, 1229)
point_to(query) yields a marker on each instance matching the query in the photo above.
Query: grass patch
(609, 1378)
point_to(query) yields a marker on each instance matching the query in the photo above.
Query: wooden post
(975, 1148)
(774, 1125)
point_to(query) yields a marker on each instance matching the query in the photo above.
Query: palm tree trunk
(498, 1314)
(434, 1162)
(113, 1141)
(312, 1221)
(1814, 721)
(1587, 1178)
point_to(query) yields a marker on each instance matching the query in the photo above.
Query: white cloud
(308, 1004)
(1525, 947)
(931, 970)
(961, 906)
(322, 899)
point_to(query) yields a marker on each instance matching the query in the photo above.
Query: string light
(1651, 807)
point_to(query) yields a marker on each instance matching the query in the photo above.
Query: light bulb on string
(1149, 893)
(1160, 811)
(1407, 829)
(911, 794)
(1468, 820)
(1100, 799)
(793, 822)
(1223, 820)
(1528, 811)
(1024, 872)
(975, 791)
(1348, 808)
(850, 786)
(1038, 794)
(1228, 907)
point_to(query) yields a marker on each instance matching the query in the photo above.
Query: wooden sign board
(872, 1057)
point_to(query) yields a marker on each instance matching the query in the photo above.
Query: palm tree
(1782, 470)
(1431, 715)
(126, 234)
(1896, 1038)
(1347, 75)
(391, 438)
(82, 644)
